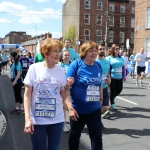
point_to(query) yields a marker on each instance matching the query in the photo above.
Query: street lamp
(36, 29)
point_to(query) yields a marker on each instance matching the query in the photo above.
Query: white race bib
(104, 77)
(118, 71)
(93, 93)
(45, 107)
(25, 65)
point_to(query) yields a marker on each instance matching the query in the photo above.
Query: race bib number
(25, 65)
(118, 71)
(45, 107)
(93, 93)
(104, 78)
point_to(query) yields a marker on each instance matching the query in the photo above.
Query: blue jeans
(53, 131)
(93, 122)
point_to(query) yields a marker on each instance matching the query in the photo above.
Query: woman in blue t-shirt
(117, 73)
(86, 97)
(16, 71)
(65, 63)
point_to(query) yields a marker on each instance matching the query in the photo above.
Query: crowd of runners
(58, 79)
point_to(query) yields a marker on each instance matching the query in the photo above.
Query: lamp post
(106, 30)
(36, 29)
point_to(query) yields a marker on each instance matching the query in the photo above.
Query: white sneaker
(141, 83)
(136, 83)
(65, 128)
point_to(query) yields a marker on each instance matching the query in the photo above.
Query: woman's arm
(101, 95)
(17, 77)
(29, 128)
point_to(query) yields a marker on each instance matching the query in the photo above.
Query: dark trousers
(93, 122)
(24, 74)
(17, 92)
(115, 89)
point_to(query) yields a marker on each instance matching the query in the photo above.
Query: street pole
(106, 30)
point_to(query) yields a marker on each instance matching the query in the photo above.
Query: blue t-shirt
(4, 58)
(25, 63)
(105, 70)
(64, 66)
(18, 68)
(73, 54)
(132, 57)
(116, 67)
(85, 92)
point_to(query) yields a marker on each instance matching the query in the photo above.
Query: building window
(99, 36)
(99, 20)
(148, 17)
(87, 19)
(133, 10)
(122, 8)
(111, 21)
(122, 21)
(111, 7)
(132, 22)
(87, 34)
(111, 37)
(99, 5)
(121, 37)
(132, 37)
(148, 47)
(87, 4)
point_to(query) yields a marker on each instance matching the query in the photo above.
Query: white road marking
(126, 100)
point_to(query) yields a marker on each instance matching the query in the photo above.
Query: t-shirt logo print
(41, 79)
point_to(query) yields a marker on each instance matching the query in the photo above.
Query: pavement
(126, 129)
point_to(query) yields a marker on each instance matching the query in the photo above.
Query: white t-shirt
(140, 63)
(46, 103)
(125, 61)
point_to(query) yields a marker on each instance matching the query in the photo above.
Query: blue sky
(30, 16)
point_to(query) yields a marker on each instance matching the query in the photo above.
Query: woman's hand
(108, 81)
(70, 81)
(13, 84)
(29, 127)
(73, 114)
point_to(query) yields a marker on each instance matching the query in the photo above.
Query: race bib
(25, 65)
(45, 107)
(93, 93)
(104, 78)
(118, 71)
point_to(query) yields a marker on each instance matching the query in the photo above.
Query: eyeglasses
(101, 49)
(116, 48)
(55, 51)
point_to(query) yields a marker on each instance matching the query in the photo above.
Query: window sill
(147, 28)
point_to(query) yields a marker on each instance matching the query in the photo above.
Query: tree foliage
(70, 34)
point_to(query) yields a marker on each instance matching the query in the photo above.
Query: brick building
(142, 26)
(31, 43)
(89, 19)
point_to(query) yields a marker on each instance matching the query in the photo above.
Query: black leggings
(17, 91)
(115, 89)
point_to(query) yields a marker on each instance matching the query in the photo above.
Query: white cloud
(62, 1)
(31, 16)
(10, 7)
(30, 20)
(40, 1)
(3, 20)
(56, 34)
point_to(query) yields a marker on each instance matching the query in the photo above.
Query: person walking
(133, 63)
(105, 79)
(16, 71)
(45, 88)
(117, 74)
(65, 63)
(73, 53)
(140, 59)
(125, 57)
(86, 97)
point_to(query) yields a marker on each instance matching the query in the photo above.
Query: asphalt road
(126, 129)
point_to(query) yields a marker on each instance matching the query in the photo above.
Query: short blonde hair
(86, 47)
(48, 45)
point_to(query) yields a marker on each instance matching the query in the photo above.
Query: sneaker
(20, 112)
(141, 83)
(102, 126)
(65, 128)
(14, 111)
(148, 86)
(113, 107)
(136, 83)
(105, 114)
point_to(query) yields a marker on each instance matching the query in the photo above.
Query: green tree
(70, 34)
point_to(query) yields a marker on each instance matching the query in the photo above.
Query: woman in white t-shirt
(45, 88)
